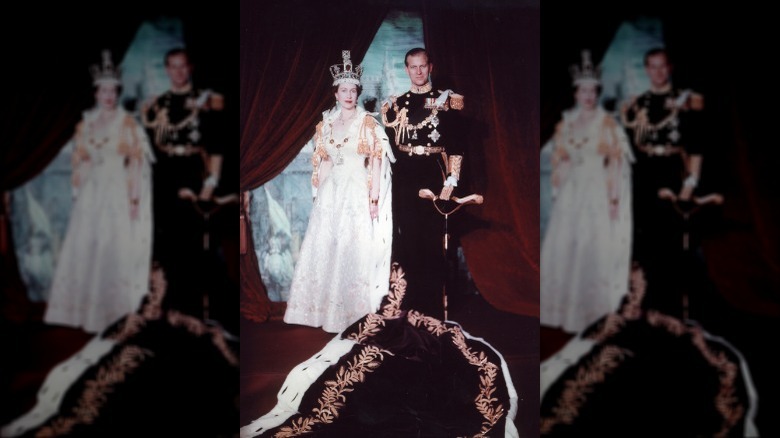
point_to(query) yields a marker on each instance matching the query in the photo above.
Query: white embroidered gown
(343, 268)
(585, 258)
(103, 268)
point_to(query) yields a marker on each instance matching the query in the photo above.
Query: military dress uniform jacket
(181, 127)
(664, 128)
(427, 136)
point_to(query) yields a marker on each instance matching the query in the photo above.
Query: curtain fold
(490, 54)
(287, 48)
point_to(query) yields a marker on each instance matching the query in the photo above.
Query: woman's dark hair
(598, 89)
(118, 90)
(334, 89)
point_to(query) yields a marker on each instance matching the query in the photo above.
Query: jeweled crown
(107, 72)
(345, 73)
(585, 72)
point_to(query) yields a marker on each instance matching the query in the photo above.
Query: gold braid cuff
(456, 101)
(454, 165)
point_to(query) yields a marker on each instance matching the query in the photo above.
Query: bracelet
(374, 201)
(614, 201)
(134, 201)
(691, 181)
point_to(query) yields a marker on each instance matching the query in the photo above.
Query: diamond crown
(585, 72)
(345, 73)
(107, 72)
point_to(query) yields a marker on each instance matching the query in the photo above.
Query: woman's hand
(373, 208)
(134, 209)
(613, 209)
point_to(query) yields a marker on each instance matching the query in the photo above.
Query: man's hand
(206, 192)
(685, 193)
(446, 192)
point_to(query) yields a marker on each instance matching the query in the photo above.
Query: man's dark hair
(174, 52)
(416, 51)
(657, 51)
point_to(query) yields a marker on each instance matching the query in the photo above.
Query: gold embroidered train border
(574, 394)
(95, 393)
(485, 403)
(726, 403)
(198, 327)
(333, 397)
(152, 311)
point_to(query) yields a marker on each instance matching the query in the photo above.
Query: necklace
(578, 143)
(339, 156)
(343, 121)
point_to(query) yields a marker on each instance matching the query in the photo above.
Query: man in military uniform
(181, 125)
(426, 134)
(664, 125)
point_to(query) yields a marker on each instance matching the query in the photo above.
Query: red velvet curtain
(286, 50)
(489, 52)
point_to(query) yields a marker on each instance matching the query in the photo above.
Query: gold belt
(180, 150)
(421, 150)
(660, 149)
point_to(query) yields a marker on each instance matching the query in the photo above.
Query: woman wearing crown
(103, 269)
(586, 248)
(343, 269)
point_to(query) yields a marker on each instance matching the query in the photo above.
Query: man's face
(178, 69)
(657, 68)
(418, 69)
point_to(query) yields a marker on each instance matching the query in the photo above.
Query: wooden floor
(270, 350)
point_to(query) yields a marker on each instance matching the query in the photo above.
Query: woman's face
(106, 96)
(347, 96)
(586, 95)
